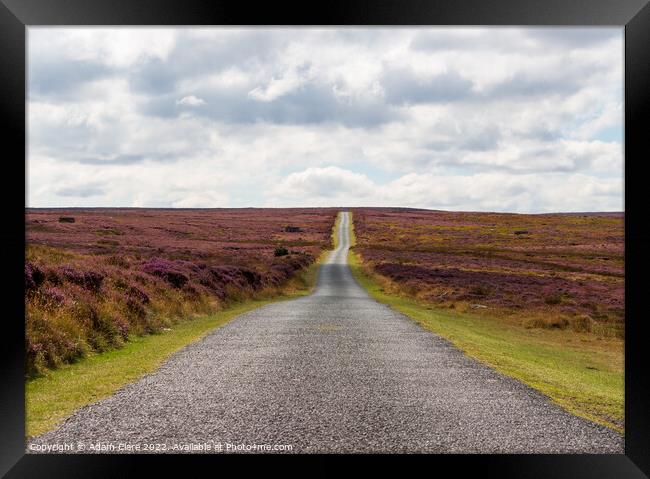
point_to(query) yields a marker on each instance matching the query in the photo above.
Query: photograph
(324, 239)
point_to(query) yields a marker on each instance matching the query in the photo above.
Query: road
(331, 372)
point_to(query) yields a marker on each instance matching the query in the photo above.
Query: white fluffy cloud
(190, 100)
(503, 119)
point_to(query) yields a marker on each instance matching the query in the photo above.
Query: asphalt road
(331, 372)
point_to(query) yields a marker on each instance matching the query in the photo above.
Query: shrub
(551, 299)
(167, 270)
(135, 307)
(550, 322)
(34, 277)
(292, 229)
(253, 278)
(480, 290)
(582, 323)
(122, 326)
(557, 323)
(137, 294)
(52, 276)
(117, 261)
(66, 219)
(90, 280)
(106, 242)
(53, 296)
(281, 251)
(521, 232)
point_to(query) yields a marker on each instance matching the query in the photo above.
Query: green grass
(58, 393)
(335, 236)
(353, 237)
(580, 372)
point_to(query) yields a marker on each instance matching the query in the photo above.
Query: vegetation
(56, 394)
(553, 271)
(581, 371)
(85, 293)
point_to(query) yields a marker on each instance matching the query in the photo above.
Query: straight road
(331, 372)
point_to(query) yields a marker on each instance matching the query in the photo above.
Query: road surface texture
(331, 372)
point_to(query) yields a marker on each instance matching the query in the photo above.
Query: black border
(15, 15)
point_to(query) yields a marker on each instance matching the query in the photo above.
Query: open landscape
(325, 240)
(334, 371)
(539, 297)
(544, 271)
(95, 277)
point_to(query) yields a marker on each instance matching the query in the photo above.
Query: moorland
(537, 297)
(556, 271)
(96, 277)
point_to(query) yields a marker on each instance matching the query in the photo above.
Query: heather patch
(86, 294)
(167, 270)
(563, 266)
(90, 280)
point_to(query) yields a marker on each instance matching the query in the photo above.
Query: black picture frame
(634, 15)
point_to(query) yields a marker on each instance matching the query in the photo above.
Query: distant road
(332, 372)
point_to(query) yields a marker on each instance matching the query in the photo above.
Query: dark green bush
(281, 251)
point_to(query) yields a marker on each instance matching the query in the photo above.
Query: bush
(582, 323)
(105, 242)
(137, 294)
(292, 229)
(281, 251)
(553, 322)
(34, 277)
(66, 219)
(135, 307)
(253, 278)
(555, 298)
(89, 280)
(53, 296)
(117, 261)
(480, 290)
(166, 270)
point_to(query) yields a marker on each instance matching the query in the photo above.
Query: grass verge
(581, 373)
(335, 230)
(55, 395)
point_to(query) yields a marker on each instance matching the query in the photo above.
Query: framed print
(382, 229)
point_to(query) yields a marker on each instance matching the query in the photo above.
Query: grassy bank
(582, 373)
(335, 235)
(56, 394)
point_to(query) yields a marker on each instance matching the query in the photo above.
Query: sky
(526, 120)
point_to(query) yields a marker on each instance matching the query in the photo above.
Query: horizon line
(313, 207)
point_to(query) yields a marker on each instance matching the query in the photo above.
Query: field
(97, 278)
(561, 271)
(544, 306)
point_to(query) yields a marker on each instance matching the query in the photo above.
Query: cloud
(330, 182)
(403, 86)
(81, 191)
(202, 199)
(48, 77)
(277, 87)
(473, 118)
(190, 100)
(112, 160)
(483, 191)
